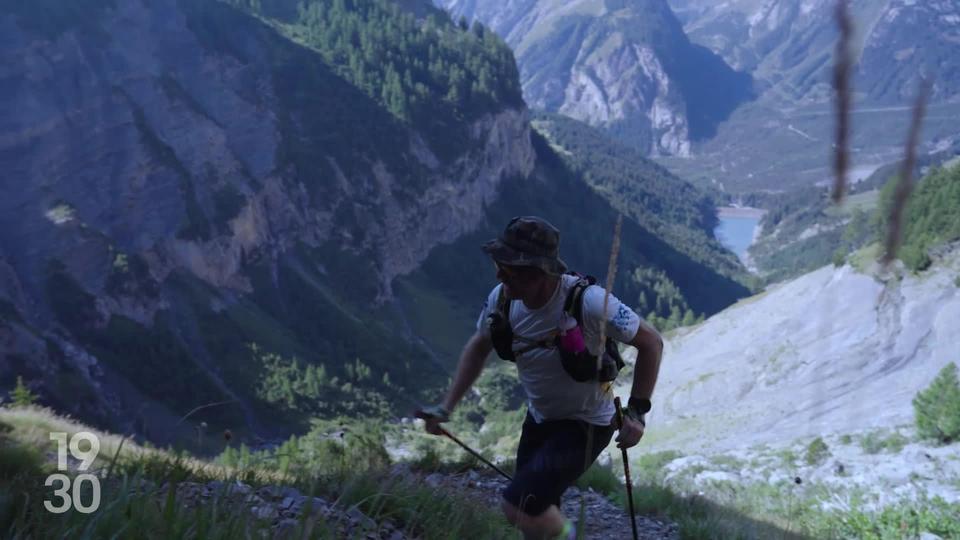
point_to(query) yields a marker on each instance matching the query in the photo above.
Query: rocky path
(281, 509)
(604, 520)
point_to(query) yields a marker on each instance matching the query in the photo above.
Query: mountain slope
(782, 139)
(838, 350)
(184, 180)
(230, 214)
(834, 351)
(788, 44)
(681, 214)
(625, 66)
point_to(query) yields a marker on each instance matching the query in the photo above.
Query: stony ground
(283, 508)
(604, 519)
(876, 468)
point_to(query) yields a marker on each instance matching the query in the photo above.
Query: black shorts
(550, 458)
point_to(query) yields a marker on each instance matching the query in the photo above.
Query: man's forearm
(468, 369)
(645, 373)
(647, 367)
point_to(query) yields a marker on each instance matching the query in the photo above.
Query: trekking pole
(626, 470)
(421, 415)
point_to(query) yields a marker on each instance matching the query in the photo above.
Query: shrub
(817, 452)
(839, 257)
(937, 409)
(875, 442)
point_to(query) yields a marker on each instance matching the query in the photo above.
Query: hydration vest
(580, 365)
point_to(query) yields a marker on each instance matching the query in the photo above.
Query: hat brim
(503, 253)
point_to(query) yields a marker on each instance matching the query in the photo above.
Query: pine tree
(22, 396)
(937, 409)
(478, 29)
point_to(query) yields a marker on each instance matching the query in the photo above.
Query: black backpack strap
(612, 362)
(501, 333)
(573, 306)
(503, 304)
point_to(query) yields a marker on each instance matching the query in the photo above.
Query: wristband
(437, 411)
(639, 405)
(637, 408)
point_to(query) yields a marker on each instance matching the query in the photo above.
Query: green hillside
(931, 217)
(683, 215)
(409, 57)
(803, 230)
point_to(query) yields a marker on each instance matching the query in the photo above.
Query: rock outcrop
(624, 66)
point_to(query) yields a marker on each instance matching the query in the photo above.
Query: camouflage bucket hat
(528, 241)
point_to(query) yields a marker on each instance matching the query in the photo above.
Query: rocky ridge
(624, 66)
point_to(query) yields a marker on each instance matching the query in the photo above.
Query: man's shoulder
(594, 299)
(569, 280)
(490, 301)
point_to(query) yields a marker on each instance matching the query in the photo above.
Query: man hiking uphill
(549, 323)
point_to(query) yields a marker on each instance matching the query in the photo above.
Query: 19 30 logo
(71, 498)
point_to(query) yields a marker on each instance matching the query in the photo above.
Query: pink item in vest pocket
(572, 340)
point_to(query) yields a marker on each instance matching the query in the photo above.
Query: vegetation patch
(937, 408)
(817, 452)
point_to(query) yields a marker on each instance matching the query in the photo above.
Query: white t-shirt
(552, 394)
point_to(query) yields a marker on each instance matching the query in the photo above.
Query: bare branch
(841, 84)
(611, 274)
(905, 182)
(201, 407)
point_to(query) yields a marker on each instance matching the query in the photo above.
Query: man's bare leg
(546, 526)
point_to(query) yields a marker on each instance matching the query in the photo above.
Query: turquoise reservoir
(736, 231)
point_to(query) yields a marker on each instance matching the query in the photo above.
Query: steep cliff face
(185, 157)
(168, 139)
(625, 66)
(629, 91)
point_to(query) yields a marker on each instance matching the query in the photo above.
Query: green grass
(601, 478)
(130, 510)
(866, 201)
(864, 258)
(354, 472)
(786, 510)
(817, 452)
(874, 442)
